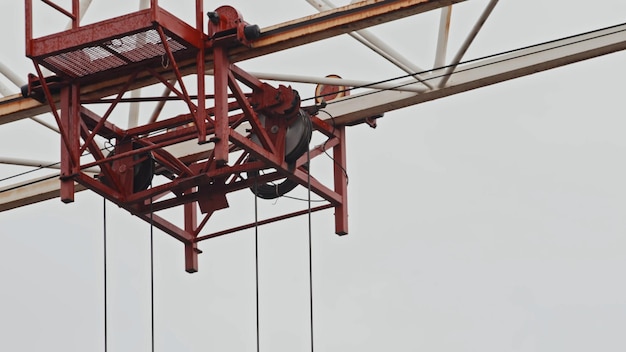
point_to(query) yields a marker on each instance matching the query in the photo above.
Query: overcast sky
(488, 221)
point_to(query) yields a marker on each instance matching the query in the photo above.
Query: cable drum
(297, 139)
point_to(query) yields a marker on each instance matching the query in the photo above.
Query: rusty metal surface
(199, 185)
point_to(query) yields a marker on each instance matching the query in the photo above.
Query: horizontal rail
(263, 222)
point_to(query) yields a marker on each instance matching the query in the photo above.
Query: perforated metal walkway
(117, 46)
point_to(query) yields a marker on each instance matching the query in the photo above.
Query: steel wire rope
(105, 275)
(256, 263)
(310, 250)
(104, 240)
(151, 271)
(308, 156)
(470, 61)
(37, 168)
(303, 199)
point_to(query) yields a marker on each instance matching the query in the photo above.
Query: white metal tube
(338, 82)
(468, 41)
(382, 49)
(378, 46)
(4, 90)
(133, 112)
(159, 107)
(45, 124)
(30, 162)
(84, 6)
(444, 33)
(11, 75)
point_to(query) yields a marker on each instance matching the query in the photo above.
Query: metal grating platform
(117, 46)
(113, 54)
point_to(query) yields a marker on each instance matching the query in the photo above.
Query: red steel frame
(198, 187)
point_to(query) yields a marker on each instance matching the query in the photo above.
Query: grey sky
(488, 221)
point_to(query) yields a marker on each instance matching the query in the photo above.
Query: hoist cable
(104, 240)
(308, 156)
(256, 261)
(152, 272)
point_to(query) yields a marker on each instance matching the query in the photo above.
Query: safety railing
(78, 8)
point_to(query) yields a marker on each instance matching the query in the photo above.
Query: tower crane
(235, 131)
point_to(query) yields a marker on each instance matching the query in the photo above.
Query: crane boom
(481, 73)
(357, 107)
(275, 38)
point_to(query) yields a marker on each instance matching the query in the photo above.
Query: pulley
(297, 139)
(143, 170)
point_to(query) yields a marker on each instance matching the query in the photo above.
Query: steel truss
(245, 132)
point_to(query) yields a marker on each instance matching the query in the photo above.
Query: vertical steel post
(28, 6)
(67, 184)
(70, 126)
(341, 182)
(201, 111)
(75, 128)
(191, 257)
(221, 104)
(191, 225)
(76, 13)
(154, 4)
